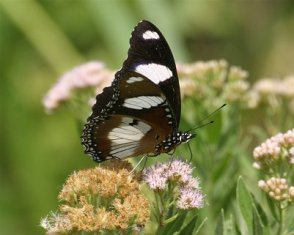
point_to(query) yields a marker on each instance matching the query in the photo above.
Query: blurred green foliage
(39, 40)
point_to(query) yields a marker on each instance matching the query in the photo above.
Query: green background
(39, 40)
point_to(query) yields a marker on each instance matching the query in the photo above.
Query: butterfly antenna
(200, 126)
(205, 118)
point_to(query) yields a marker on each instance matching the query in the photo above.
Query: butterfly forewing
(150, 55)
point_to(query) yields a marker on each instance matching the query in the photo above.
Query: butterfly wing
(140, 109)
(150, 55)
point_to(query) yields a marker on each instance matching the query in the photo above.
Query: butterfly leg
(144, 157)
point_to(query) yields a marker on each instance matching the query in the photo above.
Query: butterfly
(139, 113)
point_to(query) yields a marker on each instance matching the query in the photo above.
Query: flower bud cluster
(271, 91)
(91, 74)
(274, 149)
(213, 82)
(276, 188)
(275, 157)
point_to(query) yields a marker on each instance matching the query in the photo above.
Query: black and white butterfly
(139, 113)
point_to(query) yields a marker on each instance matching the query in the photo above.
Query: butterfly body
(140, 112)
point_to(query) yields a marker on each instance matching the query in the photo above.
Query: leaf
(273, 208)
(174, 226)
(189, 227)
(245, 203)
(230, 226)
(200, 226)
(262, 214)
(219, 230)
(257, 223)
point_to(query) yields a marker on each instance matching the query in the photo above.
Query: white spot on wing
(150, 35)
(131, 106)
(124, 152)
(126, 133)
(134, 79)
(125, 138)
(141, 102)
(155, 72)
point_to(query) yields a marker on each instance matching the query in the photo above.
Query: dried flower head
(91, 74)
(56, 223)
(98, 199)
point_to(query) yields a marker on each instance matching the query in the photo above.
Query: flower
(91, 74)
(103, 198)
(276, 148)
(186, 193)
(55, 223)
(273, 91)
(276, 188)
(291, 193)
(291, 154)
(181, 172)
(275, 157)
(188, 87)
(190, 198)
(158, 176)
(215, 80)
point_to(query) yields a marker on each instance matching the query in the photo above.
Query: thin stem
(161, 212)
(281, 219)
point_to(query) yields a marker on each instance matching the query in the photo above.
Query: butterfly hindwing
(126, 125)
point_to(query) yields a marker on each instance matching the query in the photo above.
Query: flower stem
(281, 219)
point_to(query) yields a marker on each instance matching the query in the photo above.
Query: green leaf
(273, 208)
(189, 228)
(230, 226)
(261, 213)
(257, 223)
(220, 224)
(174, 226)
(200, 226)
(245, 203)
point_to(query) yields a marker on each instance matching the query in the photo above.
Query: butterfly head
(170, 143)
(184, 137)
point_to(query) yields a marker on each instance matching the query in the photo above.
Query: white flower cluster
(91, 74)
(271, 91)
(280, 146)
(213, 80)
(277, 188)
(275, 157)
